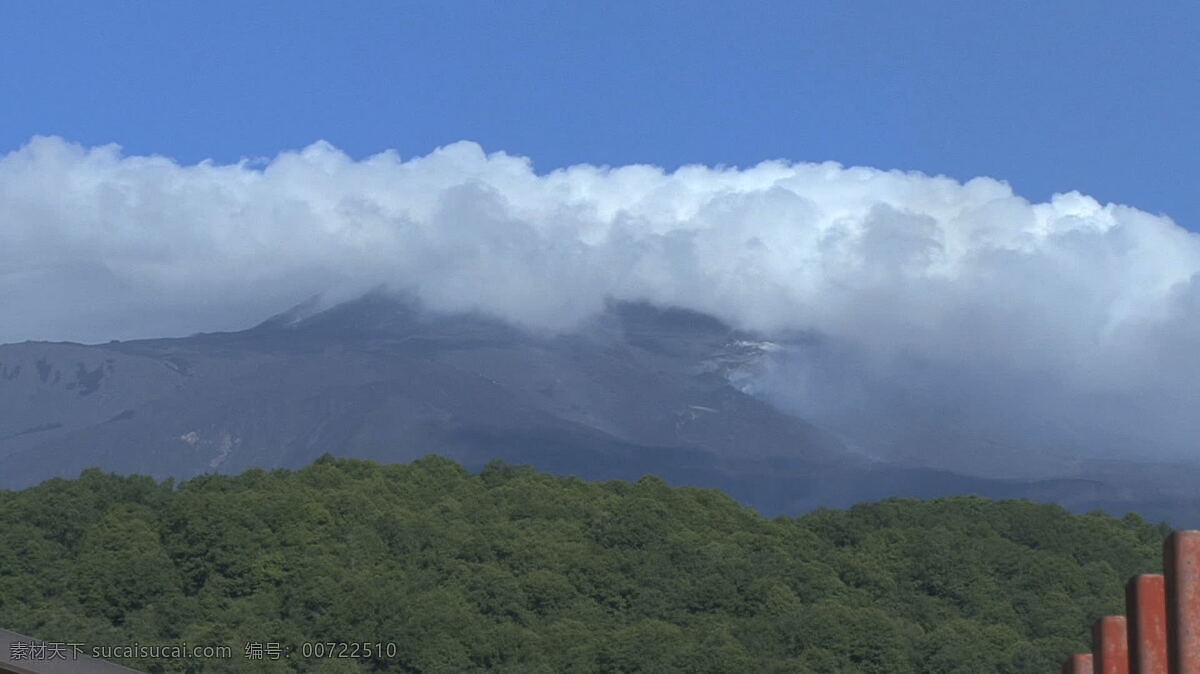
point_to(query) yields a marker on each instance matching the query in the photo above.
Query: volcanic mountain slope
(377, 378)
(638, 390)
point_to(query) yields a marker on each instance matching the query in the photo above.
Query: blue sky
(929, 294)
(1100, 96)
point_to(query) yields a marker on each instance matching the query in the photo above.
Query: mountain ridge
(638, 390)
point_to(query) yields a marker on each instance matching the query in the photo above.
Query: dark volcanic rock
(638, 390)
(376, 377)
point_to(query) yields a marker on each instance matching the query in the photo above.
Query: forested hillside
(515, 570)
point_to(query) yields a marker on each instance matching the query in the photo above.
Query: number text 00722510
(343, 649)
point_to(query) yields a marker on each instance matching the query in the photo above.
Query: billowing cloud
(962, 301)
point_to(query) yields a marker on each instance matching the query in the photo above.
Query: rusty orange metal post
(1146, 614)
(1080, 663)
(1181, 562)
(1110, 645)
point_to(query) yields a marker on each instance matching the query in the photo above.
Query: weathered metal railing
(1160, 631)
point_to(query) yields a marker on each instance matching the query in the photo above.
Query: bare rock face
(642, 389)
(639, 390)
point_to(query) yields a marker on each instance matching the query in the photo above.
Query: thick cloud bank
(963, 303)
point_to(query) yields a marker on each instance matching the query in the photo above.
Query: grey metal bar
(65, 662)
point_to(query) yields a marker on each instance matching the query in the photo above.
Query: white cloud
(908, 273)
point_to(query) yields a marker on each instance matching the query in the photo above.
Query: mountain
(638, 390)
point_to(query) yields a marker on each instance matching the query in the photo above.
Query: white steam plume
(908, 280)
